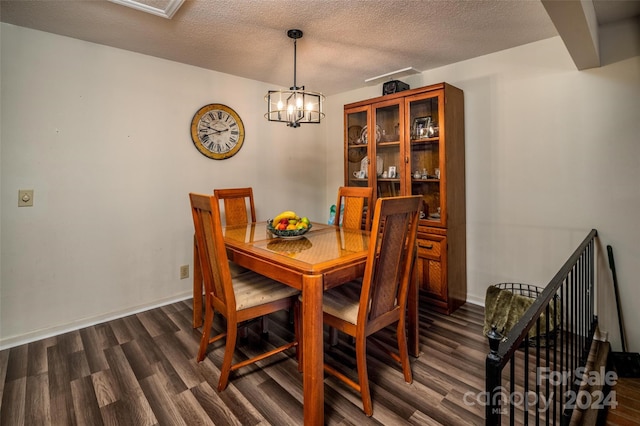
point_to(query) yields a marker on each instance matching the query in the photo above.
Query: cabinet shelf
(420, 180)
(425, 140)
(392, 143)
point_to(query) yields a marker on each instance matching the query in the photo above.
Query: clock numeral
(235, 132)
(234, 124)
(233, 139)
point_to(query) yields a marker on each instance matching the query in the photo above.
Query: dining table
(324, 257)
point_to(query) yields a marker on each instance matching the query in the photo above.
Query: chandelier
(296, 105)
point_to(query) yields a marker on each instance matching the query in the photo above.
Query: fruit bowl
(287, 234)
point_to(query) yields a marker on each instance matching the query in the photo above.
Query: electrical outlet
(25, 197)
(184, 272)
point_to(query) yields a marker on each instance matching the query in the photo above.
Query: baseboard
(10, 342)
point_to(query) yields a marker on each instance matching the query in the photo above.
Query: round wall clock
(217, 131)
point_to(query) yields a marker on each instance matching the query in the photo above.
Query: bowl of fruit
(288, 225)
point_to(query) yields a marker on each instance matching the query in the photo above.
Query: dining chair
(357, 207)
(239, 299)
(238, 205)
(361, 309)
(238, 209)
(356, 215)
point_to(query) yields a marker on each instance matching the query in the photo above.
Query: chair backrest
(390, 259)
(211, 251)
(235, 205)
(357, 203)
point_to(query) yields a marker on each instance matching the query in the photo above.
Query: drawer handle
(429, 247)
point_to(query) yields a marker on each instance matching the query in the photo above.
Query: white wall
(551, 152)
(102, 136)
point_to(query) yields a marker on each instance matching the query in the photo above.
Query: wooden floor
(628, 398)
(141, 370)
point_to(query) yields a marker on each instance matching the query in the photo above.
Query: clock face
(217, 131)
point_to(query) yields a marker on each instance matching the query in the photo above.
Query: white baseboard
(10, 342)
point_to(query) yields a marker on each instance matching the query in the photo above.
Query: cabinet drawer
(429, 248)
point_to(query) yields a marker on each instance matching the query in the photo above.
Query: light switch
(25, 197)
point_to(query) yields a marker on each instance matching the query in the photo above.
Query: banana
(285, 215)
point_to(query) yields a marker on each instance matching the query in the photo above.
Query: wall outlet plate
(25, 197)
(184, 272)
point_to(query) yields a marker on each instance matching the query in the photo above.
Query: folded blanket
(503, 308)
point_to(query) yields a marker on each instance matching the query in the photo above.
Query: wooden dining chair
(362, 309)
(238, 205)
(238, 209)
(356, 215)
(357, 207)
(238, 299)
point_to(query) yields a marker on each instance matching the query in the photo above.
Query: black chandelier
(296, 105)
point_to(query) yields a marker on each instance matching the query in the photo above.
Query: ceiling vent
(164, 8)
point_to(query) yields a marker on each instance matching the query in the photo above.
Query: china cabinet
(410, 143)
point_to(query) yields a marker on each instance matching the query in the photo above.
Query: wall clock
(217, 131)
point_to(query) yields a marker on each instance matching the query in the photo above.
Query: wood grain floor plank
(157, 322)
(94, 349)
(104, 388)
(85, 403)
(191, 410)
(37, 358)
(139, 363)
(161, 402)
(120, 331)
(13, 402)
(17, 363)
(37, 404)
(235, 403)
(78, 365)
(135, 405)
(61, 402)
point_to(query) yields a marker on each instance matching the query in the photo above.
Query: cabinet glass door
(357, 147)
(389, 132)
(427, 172)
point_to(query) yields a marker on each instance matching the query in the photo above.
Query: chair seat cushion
(253, 289)
(343, 301)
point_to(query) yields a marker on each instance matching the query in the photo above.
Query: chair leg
(333, 336)
(363, 376)
(403, 351)
(206, 332)
(225, 369)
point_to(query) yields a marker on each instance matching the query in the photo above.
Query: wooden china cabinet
(411, 143)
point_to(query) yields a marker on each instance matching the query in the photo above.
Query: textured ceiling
(344, 43)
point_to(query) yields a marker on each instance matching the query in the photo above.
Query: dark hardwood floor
(141, 370)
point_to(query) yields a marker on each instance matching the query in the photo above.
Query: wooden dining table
(327, 256)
